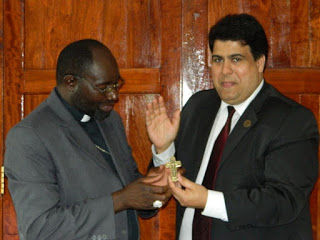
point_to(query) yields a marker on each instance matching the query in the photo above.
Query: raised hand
(161, 130)
(193, 195)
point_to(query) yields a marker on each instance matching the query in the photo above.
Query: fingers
(181, 171)
(158, 105)
(176, 189)
(155, 109)
(185, 182)
(149, 114)
(176, 118)
(152, 178)
(164, 198)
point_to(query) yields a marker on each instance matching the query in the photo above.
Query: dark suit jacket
(60, 184)
(267, 171)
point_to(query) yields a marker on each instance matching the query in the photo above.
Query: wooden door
(161, 48)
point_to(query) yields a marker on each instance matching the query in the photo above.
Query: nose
(112, 95)
(226, 68)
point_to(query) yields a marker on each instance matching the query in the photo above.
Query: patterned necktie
(201, 228)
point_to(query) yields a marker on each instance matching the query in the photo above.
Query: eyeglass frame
(108, 89)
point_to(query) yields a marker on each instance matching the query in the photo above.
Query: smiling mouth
(227, 84)
(106, 107)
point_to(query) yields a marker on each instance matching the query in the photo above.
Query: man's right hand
(161, 130)
(141, 194)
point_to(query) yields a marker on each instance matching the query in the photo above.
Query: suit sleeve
(290, 172)
(34, 189)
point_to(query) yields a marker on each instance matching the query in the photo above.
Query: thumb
(185, 182)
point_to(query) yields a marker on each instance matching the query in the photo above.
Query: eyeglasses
(109, 88)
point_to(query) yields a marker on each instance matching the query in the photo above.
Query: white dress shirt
(215, 205)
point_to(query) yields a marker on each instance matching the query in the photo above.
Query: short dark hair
(76, 58)
(244, 28)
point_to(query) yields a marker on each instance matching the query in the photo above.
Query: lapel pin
(247, 123)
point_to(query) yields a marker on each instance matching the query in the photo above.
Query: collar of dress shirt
(240, 108)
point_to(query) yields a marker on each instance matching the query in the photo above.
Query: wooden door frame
(2, 103)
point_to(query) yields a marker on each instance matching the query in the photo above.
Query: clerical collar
(78, 116)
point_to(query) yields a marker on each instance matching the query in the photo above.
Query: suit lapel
(74, 131)
(245, 123)
(79, 137)
(112, 141)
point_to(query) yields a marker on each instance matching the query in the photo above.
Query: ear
(70, 82)
(261, 63)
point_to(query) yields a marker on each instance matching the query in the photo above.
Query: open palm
(161, 130)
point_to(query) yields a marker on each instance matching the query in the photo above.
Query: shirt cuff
(215, 206)
(164, 157)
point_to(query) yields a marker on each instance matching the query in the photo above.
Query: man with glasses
(70, 169)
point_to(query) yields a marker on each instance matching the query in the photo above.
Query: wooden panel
(44, 25)
(300, 46)
(170, 75)
(143, 80)
(294, 80)
(13, 60)
(144, 33)
(314, 33)
(130, 28)
(1, 106)
(279, 29)
(194, 37)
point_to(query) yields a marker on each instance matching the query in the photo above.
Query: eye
(216, 59)
(236, 59)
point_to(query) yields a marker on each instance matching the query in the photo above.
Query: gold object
(2, 180)
(102, 150)
(247, 123)
(173, 165)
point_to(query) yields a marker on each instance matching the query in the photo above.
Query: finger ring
(157, 204)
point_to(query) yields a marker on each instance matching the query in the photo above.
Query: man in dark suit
(256, 184)
(70, 169)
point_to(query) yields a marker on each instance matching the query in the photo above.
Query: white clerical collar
(85, 118)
